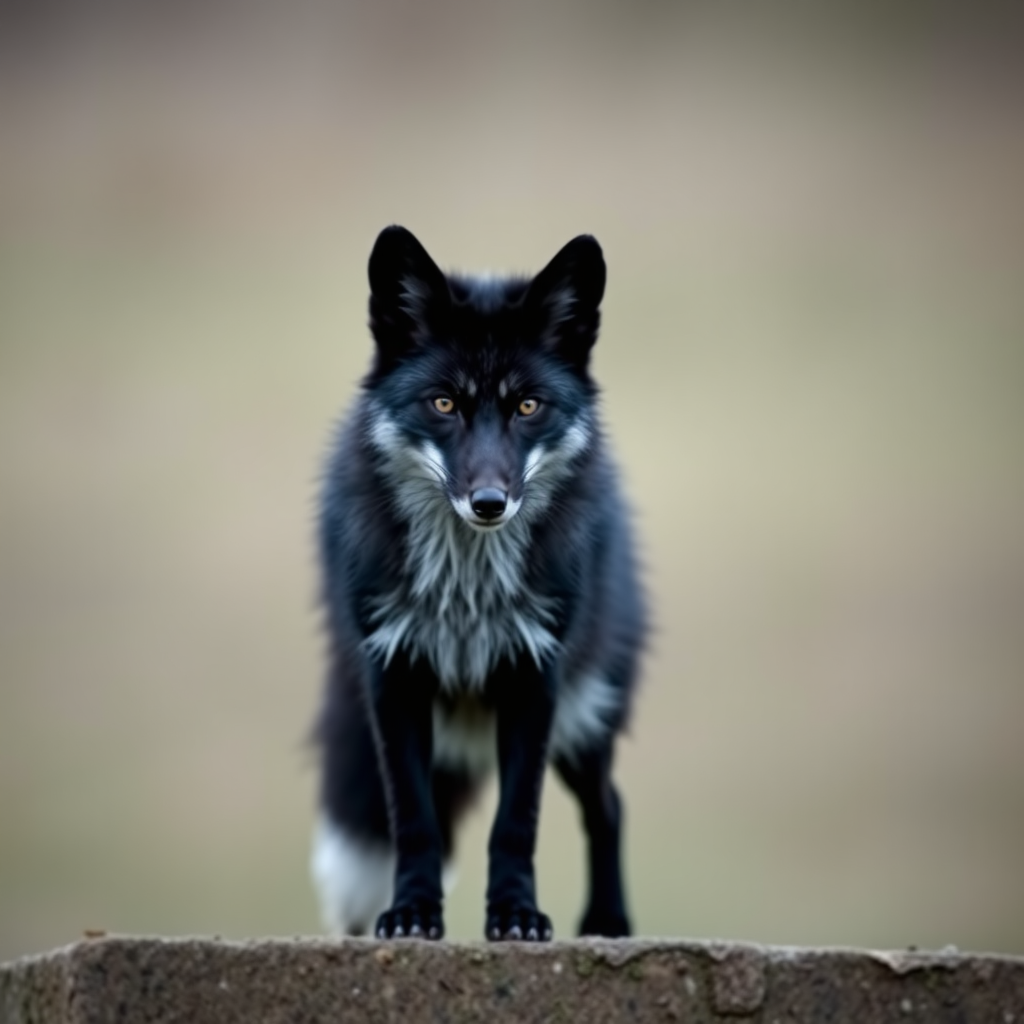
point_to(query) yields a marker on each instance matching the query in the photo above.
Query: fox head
(480, 392)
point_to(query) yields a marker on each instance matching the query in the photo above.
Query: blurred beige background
(813, 370)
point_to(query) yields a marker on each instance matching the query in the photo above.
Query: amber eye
(528, 406)
(444, 404)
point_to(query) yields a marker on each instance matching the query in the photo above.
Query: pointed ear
(409, 295)
(563, 300)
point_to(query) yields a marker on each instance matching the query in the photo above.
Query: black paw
(517, 924)
(608, 924)
(411, 921)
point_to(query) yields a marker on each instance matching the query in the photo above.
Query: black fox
(483, 606)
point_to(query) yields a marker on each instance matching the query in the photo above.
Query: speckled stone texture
(202, 981)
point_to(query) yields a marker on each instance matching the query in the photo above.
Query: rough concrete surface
(202, 981)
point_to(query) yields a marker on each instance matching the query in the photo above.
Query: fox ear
(563, 300)
(408, 293)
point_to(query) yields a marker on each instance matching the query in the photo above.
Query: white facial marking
(462, 506)
(465, 509)
(420, 465)
(534, 461)
(546, 467)
(433, 461)
(576, 439)
(384, 434)
(462, 601)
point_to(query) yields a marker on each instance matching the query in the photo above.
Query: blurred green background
(813, 372)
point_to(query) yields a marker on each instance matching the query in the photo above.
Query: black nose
(488, 502)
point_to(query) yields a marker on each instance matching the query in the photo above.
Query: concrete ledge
(202, 981)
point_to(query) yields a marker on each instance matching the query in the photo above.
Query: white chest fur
(462, 602)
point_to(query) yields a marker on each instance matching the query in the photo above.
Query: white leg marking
(354, 878)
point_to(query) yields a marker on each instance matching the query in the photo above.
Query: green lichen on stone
(635, 970)
(559, 1014)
